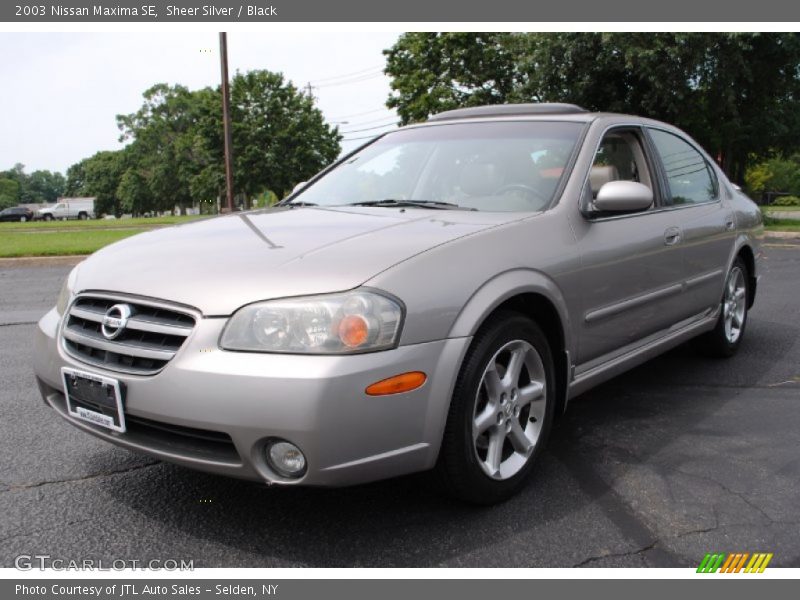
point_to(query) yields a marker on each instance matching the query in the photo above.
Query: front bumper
(214, 410)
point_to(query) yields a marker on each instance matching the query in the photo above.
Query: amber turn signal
(405, 382)
(353, 331)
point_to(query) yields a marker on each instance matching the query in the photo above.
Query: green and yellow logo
(720, 562)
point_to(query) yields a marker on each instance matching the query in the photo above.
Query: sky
(62, 91)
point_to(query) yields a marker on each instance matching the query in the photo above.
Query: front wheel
(48, 217)
(726, 337)
(22, 219)
(501, 411)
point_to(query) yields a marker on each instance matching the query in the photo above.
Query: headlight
(351, 322)
(67, 291)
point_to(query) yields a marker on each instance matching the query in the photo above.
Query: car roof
(532, 112)
(504, 110)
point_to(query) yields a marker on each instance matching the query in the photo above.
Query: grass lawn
(782, 225)
(96, 224)
(782, 209)
(59, 243)
(60, 238)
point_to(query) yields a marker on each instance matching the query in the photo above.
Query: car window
(619, 158)
(690, 178)
(502, 166)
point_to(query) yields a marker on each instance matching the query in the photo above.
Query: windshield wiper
(392, 202)
(291, 204)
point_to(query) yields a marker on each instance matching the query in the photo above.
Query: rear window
(690, 178)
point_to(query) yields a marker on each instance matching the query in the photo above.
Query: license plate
(94, 398)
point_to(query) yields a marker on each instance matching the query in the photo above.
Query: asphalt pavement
(681, 456)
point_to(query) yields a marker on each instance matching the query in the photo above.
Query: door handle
(672, 236)
(730, 224)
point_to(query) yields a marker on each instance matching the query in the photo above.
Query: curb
(42, 261)
(782, 235)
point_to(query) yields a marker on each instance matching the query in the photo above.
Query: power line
(370, 121)
(349, 81)
(369, 128)
(366, 112)
(364, 137)
(348, 75)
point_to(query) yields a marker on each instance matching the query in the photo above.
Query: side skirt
(589, 375)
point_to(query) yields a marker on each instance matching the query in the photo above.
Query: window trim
(652, 165)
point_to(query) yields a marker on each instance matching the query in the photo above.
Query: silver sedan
(430, 301)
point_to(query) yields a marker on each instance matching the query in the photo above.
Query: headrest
(481, 179)
(601, 175)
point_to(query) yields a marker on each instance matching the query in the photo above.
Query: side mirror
(299, 187)
(623, 196)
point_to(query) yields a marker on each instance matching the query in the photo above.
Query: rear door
(631, 263)
(706, 221)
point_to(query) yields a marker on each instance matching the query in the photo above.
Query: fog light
(286, 459)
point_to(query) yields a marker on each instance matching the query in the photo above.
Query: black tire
(458, 468)
(83, 216)
(48, 217)
(23, 218)
(717, 343)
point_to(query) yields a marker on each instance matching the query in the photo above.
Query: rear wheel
(83, 216)
(23, 218)
(500, 413)
(724, 340)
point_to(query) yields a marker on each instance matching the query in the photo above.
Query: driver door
(631, 263)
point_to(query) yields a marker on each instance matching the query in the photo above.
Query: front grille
(149, 340)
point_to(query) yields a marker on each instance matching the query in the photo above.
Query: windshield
(500, 166)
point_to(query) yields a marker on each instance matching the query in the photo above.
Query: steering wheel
(521, 187)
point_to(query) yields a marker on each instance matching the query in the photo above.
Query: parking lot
(682, 456)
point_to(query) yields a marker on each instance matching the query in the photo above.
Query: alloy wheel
(734, 305)
(509, 409)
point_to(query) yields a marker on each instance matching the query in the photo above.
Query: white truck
(68, 208)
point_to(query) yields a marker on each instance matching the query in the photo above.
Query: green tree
(735, 93)
(161, 129)
(205, 145)
(76, 179)
(44, 186)
(9, 192)
(102, 175)
(133, 193)
(38, 187)
(433, 72)
(279, 136)
(776, 174)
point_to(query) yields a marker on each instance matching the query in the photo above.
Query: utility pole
(226, 119)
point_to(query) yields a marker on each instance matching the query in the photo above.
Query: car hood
(217, 265)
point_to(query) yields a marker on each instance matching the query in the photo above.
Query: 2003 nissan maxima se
(432, 300)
